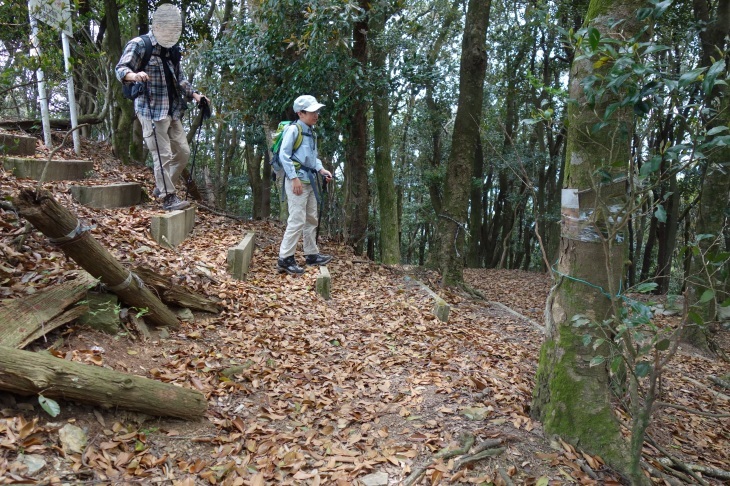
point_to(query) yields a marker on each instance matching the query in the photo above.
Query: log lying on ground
(27, 373)
(64, 229)
(25, 319)
(34, 125)
(172, 294)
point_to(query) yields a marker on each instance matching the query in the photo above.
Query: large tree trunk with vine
(572, 394)
(452, 221)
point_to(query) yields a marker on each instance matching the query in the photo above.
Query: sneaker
(289, 265)
(318, 259)
(156, 193)
(173, 203)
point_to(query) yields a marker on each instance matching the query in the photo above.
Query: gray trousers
(302, 221)
(174, 151)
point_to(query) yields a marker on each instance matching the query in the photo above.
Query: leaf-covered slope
(306, 391)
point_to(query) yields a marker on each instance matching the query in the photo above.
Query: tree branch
(692, 410)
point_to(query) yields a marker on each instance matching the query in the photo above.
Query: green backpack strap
(300, 137)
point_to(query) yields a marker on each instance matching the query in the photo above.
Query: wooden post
(64, 229)
(28, 373)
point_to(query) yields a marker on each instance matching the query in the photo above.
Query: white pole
(71, 94)
(42, 97)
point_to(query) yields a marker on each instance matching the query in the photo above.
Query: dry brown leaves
(301, 390)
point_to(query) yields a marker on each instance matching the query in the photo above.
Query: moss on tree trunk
(572, 394)
(571, 397)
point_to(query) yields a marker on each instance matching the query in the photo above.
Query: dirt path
(321, 392)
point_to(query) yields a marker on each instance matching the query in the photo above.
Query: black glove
(204, 107)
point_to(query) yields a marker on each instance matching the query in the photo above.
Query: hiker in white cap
(301, 167)
(161, 102)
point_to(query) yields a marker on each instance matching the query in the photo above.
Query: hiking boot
(173, 203)
(318, 259)
(289, 265)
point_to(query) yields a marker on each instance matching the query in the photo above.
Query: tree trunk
(436, 115)
(123, 113)
(384, 178)
(571, 396)
(28, 373)
(175, 294)
(712, 214)
(221, 182)
(500, 213)
(262, 204)
(648, 249)
(453, 218)
(357, 190)
(476, 215)
(62, 227)
(667, 236)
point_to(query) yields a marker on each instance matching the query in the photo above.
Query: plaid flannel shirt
(159, 100)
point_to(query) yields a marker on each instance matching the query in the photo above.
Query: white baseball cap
(306, 103)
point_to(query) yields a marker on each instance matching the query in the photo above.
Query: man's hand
(296, 186)
(140, 76)
(197, 97)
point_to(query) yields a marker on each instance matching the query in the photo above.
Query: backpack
(133, 90)
(276, 143)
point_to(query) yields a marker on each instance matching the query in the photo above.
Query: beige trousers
(174, 151)
(302, 221)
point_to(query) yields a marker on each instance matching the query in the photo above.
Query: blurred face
(309, 117)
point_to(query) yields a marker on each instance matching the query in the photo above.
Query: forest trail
(362, 389)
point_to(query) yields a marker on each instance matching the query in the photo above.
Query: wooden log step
(77, 243)
(172, 294)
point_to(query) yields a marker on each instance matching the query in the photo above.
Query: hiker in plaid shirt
(161, 108)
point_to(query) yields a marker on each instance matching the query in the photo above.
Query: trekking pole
(321, 206)
(154, 134)
(204, 115)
